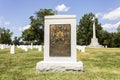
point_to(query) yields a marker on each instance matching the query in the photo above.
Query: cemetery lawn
(99, 64)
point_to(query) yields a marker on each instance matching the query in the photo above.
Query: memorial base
(44, 66)
(94, 44)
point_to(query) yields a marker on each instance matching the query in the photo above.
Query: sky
(14, 14)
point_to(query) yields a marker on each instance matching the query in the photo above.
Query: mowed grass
(99, 64)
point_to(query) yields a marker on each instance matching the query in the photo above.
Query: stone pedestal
(60, 45)
(94, 44)
(59, 66)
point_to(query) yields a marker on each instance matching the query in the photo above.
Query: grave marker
(12, 49)
(60, 45)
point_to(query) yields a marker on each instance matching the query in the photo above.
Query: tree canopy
(118, 28)
(36, 30)
(85, 29)
(16, 40)
(5, 36)
(84, 32)
(35, 33)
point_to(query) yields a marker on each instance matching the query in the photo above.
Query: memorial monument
(60, 45)
(94, 41)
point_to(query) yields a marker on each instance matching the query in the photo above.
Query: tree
(28, 35)
(85, 29)
(36, 31)
(16, 40)
(104, 38)
(116, 39)
(118, 28)
(5, 36)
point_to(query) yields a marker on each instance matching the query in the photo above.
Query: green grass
(99, 64)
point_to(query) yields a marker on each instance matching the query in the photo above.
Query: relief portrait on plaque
(60, 40)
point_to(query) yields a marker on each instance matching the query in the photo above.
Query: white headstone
(12, 49)
(26, 48)
(31, 46)
(60, 45)
(81, 48)
(40, 48)
(105, 46)
(2, 46)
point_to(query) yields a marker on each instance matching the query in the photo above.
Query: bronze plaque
(60, 40)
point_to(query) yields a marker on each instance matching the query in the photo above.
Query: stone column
(94, 32)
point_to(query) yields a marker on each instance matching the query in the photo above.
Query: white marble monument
(12, 49)
(60, 45)
(94, 41)
(40, 48)
(31, 46)
(25, 48)
(2, 46)
(81, 48)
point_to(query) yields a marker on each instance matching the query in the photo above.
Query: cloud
(3, 22)
(98, 14)
(26, 27)
(6, 23)
(62, 8)
(111, 26)
(23, 28)
(112, 15)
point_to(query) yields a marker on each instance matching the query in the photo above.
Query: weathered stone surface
(59, 66)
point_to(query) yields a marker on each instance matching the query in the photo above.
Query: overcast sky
(14, 14)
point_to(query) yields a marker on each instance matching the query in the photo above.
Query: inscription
(60, 40)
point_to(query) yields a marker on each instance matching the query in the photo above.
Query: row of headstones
(39, 47)
(23, 47)
(3, 46)
(26, 47)
(81, 48)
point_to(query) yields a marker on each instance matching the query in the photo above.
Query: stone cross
(94, 32)
(94, 41)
